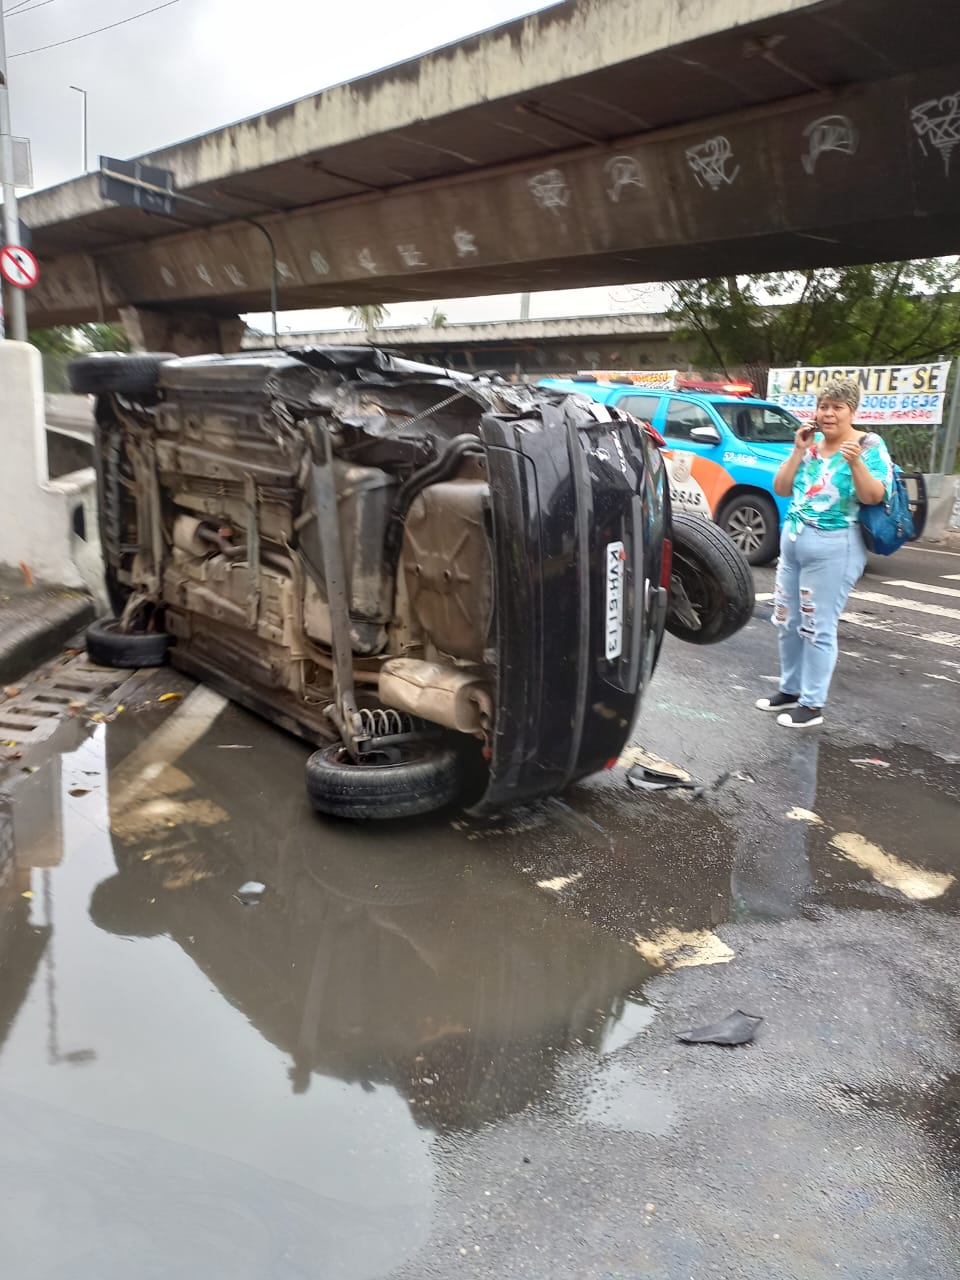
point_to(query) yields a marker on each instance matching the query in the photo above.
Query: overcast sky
(200, 64)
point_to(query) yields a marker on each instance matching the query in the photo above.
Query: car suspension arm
(343, 711)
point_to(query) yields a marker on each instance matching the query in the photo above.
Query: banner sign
(653, 379)
(889, 393)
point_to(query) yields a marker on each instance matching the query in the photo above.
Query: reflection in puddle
(387, 986)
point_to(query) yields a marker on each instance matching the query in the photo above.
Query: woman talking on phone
(832, 471)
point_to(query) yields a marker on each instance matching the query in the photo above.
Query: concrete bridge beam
(184, 333)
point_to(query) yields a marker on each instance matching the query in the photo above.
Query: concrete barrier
(49, 525)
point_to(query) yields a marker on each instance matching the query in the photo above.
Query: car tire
(124, 372)
(401, 781)
(752, 523)
(716, 578)
(108, 646)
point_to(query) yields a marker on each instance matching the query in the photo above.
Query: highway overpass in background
(534, 348)
(596, 142)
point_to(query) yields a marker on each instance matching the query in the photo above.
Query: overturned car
(455, 587)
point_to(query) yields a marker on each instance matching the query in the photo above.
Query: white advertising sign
(889, 393)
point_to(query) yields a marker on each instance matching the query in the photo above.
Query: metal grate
(32, 714)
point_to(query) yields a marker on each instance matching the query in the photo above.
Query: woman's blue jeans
(816, 573)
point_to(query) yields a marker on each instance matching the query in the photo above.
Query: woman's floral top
(823, 492)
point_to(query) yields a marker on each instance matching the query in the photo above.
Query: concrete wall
(51, 526)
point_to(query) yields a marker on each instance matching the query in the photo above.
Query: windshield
(759, 423)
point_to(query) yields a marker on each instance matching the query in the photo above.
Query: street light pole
(76, 88)
(11, 223)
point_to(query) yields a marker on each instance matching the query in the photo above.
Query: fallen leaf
(27, 574)
(11, 690)
(119, 709)
(27, 893)
(169, 697)
(79, 791)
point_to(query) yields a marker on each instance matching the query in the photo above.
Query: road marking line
(951, 577)
(896, 873)
(932, 551)
(905, 629)
(923, 586)
(899, 602)
(931, 675)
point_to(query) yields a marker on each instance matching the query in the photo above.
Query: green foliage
(885, 313)
(437, 318)
(77, 340)
(368, 317)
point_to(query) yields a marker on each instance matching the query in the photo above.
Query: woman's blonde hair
(841, 390)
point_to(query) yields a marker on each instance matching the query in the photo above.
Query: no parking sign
(18, 266)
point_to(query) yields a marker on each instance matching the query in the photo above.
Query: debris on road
(871, 760)
(169, 697)
(249, 894)
(675, 949)
(736, 1028)
(642, 778)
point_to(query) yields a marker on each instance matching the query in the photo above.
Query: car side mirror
(705, 435)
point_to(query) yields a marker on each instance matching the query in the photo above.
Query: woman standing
(822, 553)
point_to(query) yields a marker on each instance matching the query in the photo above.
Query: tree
(77, 340)
(885, 313)
(369, 317)
(437, 318)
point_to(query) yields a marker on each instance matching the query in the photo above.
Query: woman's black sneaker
(777, 702)
(801, 718)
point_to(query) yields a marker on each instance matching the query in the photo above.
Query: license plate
(616, 565)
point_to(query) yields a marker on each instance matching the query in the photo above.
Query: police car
(724, 445)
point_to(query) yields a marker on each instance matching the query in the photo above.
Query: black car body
(440, 580)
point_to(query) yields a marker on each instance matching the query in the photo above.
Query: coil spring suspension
(384, 722)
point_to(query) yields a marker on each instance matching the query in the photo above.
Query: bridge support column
(184, 333)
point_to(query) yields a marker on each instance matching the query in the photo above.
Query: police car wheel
(752, 524)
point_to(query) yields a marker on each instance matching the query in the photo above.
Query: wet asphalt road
(448, 1048)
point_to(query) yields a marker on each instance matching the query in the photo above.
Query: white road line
(899, 602)
(951, 577)
(932, 551)
(892, 627)
(923, 586)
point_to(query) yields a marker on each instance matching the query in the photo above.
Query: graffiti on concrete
(550, 190)
(283, 271)
(623, 172)
(465, 243)
(234, 275)
(366, 260)
(168, 278)
(829, 133)
(709, 162)
(203, 271)
(319, 263)
(411, 255)
(937, 125)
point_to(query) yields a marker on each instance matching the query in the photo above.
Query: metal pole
(948, 456)
(17, 303)
(86, 160)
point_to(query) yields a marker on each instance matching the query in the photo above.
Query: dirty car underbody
(362, 549)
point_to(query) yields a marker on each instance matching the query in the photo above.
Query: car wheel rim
(747, 528)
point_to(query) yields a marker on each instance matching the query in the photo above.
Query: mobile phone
(806, 433)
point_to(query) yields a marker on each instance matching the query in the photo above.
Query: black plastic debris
(250, 893)
(644, 778)
(736, 1028)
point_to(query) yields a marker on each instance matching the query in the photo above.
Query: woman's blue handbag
(886, 526)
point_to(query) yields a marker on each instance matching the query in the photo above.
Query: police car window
(759, 423)
(642, 407)
(682, 417)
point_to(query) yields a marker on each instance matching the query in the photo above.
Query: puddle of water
(160, 1040)
(621, 1099)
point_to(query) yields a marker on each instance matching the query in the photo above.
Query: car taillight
(666, 564)
(654, 435)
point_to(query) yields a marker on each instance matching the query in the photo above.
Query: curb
(36, 626)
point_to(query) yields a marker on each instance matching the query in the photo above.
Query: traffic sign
(18, 266)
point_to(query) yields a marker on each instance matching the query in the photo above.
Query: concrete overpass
(533, 347)
(599, 141)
